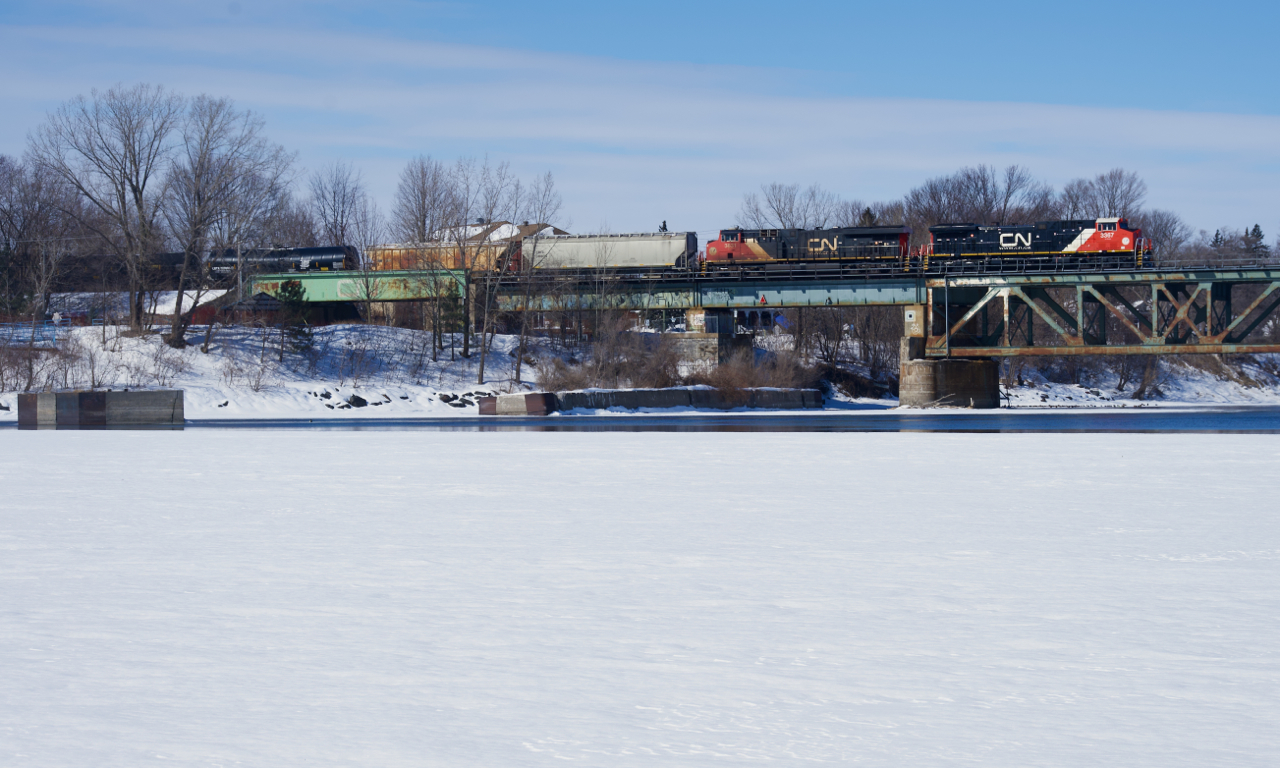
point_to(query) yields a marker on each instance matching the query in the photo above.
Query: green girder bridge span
(1200, 311)
(404, 285)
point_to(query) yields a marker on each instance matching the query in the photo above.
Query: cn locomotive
(762, 247)
(1076, 242)
(1079, 240)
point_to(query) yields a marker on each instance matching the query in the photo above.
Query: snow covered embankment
(1177, 381)
(352, 370)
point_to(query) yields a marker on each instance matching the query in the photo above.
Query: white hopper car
(644, 250)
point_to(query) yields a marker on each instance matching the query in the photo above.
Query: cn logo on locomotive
(1015, 240)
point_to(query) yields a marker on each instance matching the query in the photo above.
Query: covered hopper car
(641, 251)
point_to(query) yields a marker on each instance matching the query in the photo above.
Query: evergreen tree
(295, 331)
(867, 219)
(1218, 240)
(1257, 242)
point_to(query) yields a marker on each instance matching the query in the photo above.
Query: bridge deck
(969, 311)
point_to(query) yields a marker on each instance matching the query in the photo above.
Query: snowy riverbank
(379, 372)
(372, 371)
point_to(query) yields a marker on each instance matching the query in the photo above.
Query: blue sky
(668, 110)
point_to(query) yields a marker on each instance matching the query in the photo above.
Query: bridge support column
(913, 333)
(946, 383)
(709, 339)
(953, 383)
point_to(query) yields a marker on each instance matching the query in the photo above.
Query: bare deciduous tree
(1115, 193)
(1076, 200)
(224, 176)
(367, 228)
(542, 205)
(1167, 232)
(38, 216)
(980, 195)
(424, 202)
(787, 206)
(287, 221)
(113, 149)
(497, 198)
(1118, 193)
(337, 194)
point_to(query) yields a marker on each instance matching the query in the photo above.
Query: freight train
(1078, 242)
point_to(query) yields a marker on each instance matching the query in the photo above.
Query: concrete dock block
(93, 410)
(67, 405)
(511, 405)
(101, 410)
(149, 408)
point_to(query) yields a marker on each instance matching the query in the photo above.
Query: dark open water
(1224, 419)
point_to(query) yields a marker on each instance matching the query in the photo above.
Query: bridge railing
(1104, 264)
(31, 336)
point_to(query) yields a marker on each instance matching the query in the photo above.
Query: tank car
(323, 259)
(866, 245)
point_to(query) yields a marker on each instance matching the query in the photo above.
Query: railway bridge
(970, 311)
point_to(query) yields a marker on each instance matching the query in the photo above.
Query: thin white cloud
(635, 143)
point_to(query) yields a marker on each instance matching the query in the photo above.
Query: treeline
(986, 195)
(116, 185)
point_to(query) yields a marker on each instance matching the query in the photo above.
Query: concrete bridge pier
(709, 339)
(943, 383)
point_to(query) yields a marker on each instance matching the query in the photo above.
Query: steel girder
(716, 295)
(1130, 314)
(403, 285)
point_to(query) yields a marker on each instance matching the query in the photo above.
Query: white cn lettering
(1015, 240)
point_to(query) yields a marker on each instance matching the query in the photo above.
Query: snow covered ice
(295, 598)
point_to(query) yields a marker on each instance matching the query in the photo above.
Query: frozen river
(220, 597)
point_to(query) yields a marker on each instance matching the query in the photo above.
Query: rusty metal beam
(1030, 295)
(1179, 320)
(1261, 316)
(1111, 349)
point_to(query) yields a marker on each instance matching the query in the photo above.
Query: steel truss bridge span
(1140, 313)
(966, 314)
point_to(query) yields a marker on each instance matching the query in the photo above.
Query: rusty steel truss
(1134, 313)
